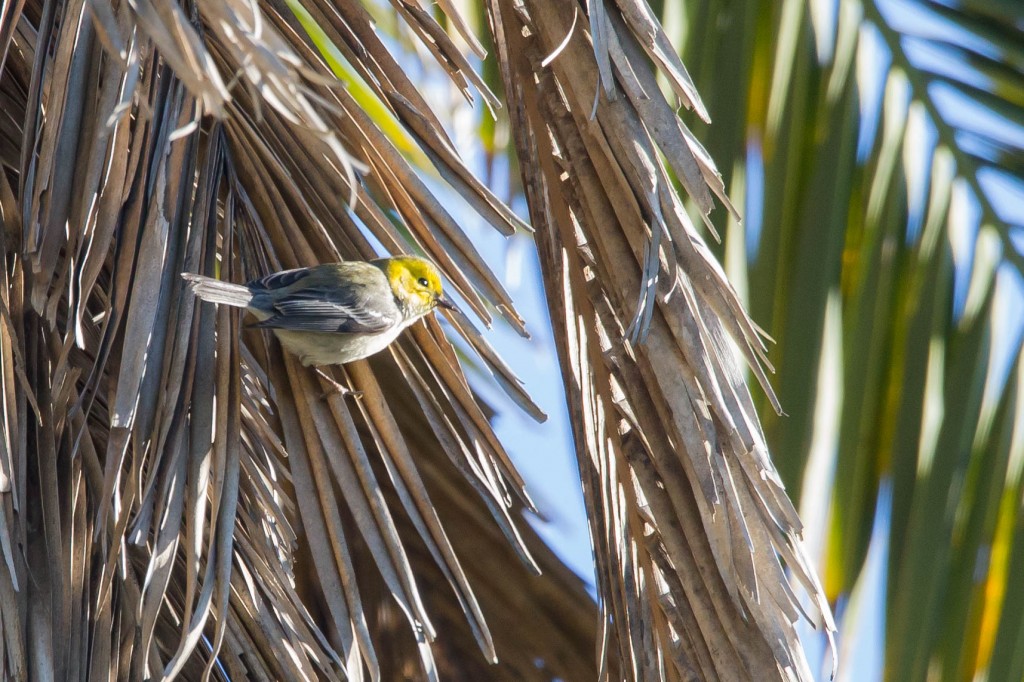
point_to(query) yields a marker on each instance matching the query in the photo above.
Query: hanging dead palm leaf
(181, 500)
(689, 518)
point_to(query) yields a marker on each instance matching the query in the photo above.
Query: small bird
(338, 312)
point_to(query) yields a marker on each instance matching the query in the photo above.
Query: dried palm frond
(185, 500)
(696, 540)
(180, 498)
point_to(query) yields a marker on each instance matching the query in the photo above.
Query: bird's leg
(335, 387)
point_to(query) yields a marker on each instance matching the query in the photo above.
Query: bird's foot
(335, 388)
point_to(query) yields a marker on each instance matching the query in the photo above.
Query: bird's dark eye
(422, 281)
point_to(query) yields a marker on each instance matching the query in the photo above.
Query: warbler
(338, 312)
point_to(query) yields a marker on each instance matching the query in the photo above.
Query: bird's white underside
(336, 349)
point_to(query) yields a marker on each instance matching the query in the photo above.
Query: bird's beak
(445, 302)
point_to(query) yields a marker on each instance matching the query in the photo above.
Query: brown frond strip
(689, 519)
(178, 499)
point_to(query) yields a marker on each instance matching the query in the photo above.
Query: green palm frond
(877, 147)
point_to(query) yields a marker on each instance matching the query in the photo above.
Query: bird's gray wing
(316, 309)
(279, 280)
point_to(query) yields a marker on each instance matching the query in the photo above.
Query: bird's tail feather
(216, 291)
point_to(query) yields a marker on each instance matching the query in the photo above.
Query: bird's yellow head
(416, 284)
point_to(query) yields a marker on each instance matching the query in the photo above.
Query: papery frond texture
(180, 498)
(693, 531)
